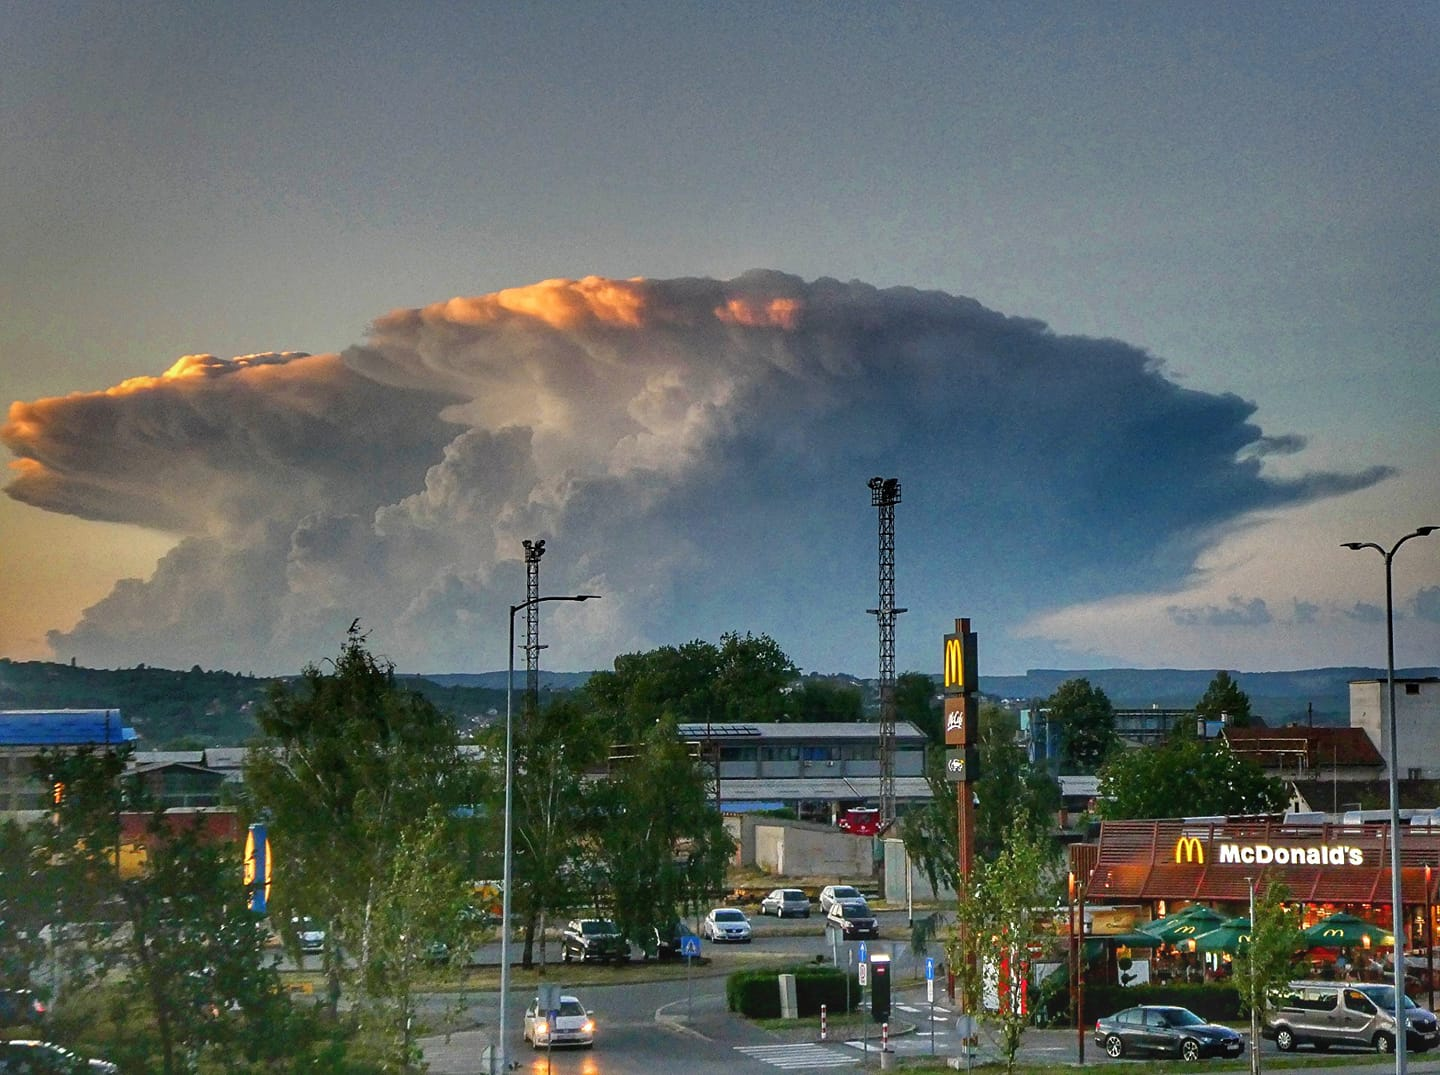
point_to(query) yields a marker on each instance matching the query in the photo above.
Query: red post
(824, 1026)
(884, 1037)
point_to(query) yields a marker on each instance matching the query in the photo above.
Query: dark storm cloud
(1238, 612)
(696, 450)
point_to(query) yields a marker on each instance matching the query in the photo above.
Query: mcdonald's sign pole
(962, 735)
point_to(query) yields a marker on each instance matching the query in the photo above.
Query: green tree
(353, 763)
(1264, 968)
(1224, 698)
(817, 699)
(1010, 791)
(918, 700)
(655, 842)
(24, 902)
(1087, 725)
(1207, 778)
(174, 920)
(553, 751)
(998, 917)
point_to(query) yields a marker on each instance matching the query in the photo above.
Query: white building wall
(1417, 720)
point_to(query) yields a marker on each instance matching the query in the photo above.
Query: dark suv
(593, 940)
(670, 944)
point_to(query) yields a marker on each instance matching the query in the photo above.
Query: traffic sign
(861, 954)
(689, 946)
(863, 970)
(929, 968)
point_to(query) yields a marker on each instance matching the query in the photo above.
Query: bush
(756, 993)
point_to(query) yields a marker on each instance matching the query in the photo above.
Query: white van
(1347, 1014)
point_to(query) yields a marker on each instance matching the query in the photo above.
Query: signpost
(690, 949)
(930, 996)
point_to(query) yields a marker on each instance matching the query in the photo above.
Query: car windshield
(1182, 1017)
(854, 910)
(594, 926)
(729, 916)
(845, 892)
(1384, 997)
(794, 895)
(571, 1006)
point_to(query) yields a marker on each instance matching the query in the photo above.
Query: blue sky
(1241, 199)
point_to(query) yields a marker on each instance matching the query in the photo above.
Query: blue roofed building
(24, 733)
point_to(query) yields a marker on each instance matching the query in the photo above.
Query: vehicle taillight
(1097, 1026)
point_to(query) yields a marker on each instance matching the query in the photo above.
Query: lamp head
(1423, 530)
(1352, 544)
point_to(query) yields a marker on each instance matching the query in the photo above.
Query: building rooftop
(1319, 748)
(793, 730)
(63, 727)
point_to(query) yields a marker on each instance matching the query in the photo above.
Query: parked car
(308, 932)
(593, 940)
(572, 1024)
(853, 919)
(47, 1058)
(726, 924)
(1153, 1028)
(832, 894)
(20, 1006)
(669, 942)
(785, 902)
(1355, 1014)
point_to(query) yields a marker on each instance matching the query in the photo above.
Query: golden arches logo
(954, 661)
(1185, 929)
(1332, 932)
(1190, 849)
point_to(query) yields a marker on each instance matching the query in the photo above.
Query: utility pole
(884, 495)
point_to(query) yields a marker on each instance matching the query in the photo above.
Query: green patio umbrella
(1128, 939)
(1348, 931)
(1232, 935)
(1182, 926)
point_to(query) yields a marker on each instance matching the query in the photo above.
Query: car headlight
(542, 1027)
(589, 1026)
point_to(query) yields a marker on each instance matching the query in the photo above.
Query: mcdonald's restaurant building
(1326, 867)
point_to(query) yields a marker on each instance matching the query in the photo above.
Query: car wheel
(1285, 1039)
(1114, 1047)
(1384, 1043)
(1190, 1049)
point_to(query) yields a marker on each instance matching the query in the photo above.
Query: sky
(314, 313)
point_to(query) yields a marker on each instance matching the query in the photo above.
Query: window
(737, 753)
(1412, 688)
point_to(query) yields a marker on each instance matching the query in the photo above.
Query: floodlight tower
(533, 551)
(884, 495)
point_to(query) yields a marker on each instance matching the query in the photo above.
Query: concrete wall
(1417, 719)
(804, 849)
(920, 891)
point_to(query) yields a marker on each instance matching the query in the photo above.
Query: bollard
(884, 1046)
(824, 1032)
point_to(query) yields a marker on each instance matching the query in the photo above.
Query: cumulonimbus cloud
(695, 450)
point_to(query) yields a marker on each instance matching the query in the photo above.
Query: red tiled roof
(1322, 747)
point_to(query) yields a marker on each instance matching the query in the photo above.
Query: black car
(669, 943)
(593, 940)
(1167, 1031)
(19, 1006)
(853, 920)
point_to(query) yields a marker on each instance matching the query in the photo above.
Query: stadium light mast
(884, 495)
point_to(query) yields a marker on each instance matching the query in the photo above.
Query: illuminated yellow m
(954, 661)
(1190, 849)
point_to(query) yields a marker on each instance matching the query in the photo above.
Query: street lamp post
(504, 1023)
(1397, 914)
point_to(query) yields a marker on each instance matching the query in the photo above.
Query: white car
(726, 924)
(783, 902)
(830, 895)
(572, 1025)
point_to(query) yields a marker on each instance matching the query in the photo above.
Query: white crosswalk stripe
(800, 1055)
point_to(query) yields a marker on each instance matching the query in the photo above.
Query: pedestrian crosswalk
(801, 1055)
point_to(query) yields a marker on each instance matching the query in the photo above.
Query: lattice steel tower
(885, 494)
(533, 551)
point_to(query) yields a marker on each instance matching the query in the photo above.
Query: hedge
(756, 993)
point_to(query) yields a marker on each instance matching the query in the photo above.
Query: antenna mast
(884, 495)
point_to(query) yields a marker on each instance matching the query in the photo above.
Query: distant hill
(1278, 697)
(171, 708)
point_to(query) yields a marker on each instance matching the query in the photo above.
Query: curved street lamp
(509, 840)
(1398, 952)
